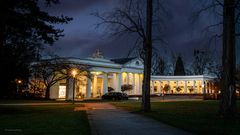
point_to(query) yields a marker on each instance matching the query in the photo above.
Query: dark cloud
(72, 7)
(81, 39)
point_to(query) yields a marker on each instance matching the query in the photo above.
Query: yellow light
(19, 81)
(74, 72)
(96, 73)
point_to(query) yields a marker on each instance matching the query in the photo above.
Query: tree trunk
(228, 90)
(47, 93)
(147, 46)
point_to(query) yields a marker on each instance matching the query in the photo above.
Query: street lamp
(74, 73)
(19, 82)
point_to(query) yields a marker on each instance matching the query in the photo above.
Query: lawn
(199, 117)
(43, 120)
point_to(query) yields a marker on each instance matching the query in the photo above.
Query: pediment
(135, 63)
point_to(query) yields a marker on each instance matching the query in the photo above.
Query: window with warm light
(62, 91)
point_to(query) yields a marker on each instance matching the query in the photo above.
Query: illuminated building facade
(117, 72)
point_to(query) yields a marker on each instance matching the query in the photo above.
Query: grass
(199, 117)
(43, 120)
(20, 101)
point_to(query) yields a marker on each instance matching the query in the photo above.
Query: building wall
(131, 73)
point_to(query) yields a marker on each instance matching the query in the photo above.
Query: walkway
(105, 119)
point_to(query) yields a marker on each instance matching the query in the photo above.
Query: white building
(114, 73)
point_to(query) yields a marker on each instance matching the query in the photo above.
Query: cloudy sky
(180, 33)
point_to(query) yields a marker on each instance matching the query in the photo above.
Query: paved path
(105, 119)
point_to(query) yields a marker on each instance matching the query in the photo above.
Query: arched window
(137, 63)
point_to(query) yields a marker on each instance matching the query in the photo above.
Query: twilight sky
(82, 39)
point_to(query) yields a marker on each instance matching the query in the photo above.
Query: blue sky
(82, 39)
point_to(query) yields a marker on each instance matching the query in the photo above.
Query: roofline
(188, 77)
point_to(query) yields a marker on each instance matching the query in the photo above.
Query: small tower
(97, 54)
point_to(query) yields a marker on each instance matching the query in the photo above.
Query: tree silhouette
(202, 62)
(179, 67)
(24, 28)
(136, 17)
(230, 15)
(51, 71)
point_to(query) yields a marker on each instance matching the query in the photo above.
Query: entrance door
(62, 91)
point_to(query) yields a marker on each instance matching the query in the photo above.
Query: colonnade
(100, 81)
(98, 85)
(182, 87)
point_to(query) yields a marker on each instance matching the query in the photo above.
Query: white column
(88, 92)
(133, 84)
(127, 78)
(207, 87)
(185, 87)
(139, 84)
(136, 84)
(160, 87)
(94, 91)
(152, 87)
(114, 81)
(176, 87)
(119, 81)
(203, 87)
(105, 83)
(194, 86)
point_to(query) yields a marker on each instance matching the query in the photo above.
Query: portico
(104, 73)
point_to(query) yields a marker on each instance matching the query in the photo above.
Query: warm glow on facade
(105, 74)
(74, 73)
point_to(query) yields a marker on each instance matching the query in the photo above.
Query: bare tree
(202, 62)
(158, 65)
(51, 71)
(229, 11)
(136, 17)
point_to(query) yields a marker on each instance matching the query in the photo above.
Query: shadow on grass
(41, 120)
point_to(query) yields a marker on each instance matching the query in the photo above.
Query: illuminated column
(207, 87)
(114, 81)
(105, 83)
(194, 86)
(153, 86)
(169, 86)
(185, 87)
(133, 83)
(203, 87)
(141, 81)
(136, 83)
(119, 81)
(88, 92)
(176, 87)
(94, 91)
(139, 84)
(127, 78)
(160, 87)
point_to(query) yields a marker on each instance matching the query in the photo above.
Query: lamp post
(19, 82)
(74, 73)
